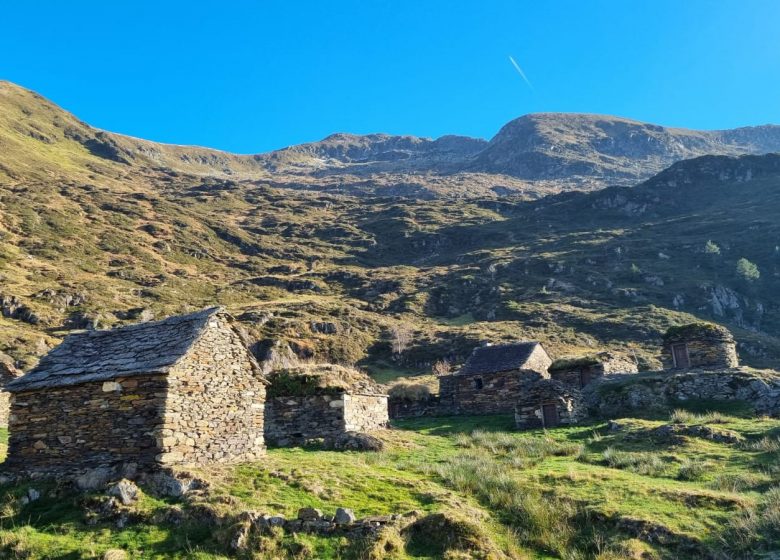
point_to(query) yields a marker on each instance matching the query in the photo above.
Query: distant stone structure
(549, 403)
(320, 403)
(493, 378)
(182, 390)
(578, 372)
(699, 345)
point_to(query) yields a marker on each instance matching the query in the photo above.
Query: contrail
(520, 71)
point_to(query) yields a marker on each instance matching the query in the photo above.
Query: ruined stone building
(321, 402)
(549, 403)
(699, 345)
(181, 390)
(578, 372)
(493, 378)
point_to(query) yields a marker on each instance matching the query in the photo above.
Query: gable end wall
(216, 402)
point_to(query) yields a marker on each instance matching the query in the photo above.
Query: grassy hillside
(585, 492)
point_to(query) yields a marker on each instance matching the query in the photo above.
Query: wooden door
(550, 415)
(680, 355)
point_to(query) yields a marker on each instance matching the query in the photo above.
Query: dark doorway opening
(550, 415)
(680, 355)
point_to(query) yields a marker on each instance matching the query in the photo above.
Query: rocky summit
(531, 156)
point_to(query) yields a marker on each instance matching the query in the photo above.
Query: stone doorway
(680, 355)
(550, 415)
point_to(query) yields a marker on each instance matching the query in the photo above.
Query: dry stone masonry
(494, 378)
(549, 403)
(181, 390)
(578, 372)
(321, 403)
(616, 396)
(698, 345)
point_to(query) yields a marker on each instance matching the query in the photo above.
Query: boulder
(358, 441)
(344, 516)
(125, 490)
(93, 479)
(309, 514)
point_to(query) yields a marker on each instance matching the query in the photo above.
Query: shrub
(691, 469)
(711, 248)
(517, 446)
(540, 520)
(747, 270)
(736, 482)
(757, 528)
(413, 392)
(649, 464)
(681, 416)
(765, 444)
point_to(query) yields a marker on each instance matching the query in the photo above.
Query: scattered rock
(33, 494)
(240, 539)
(115, 554)
(175, 486)
(309, 514)
(357, 441)
(344, 516)
(93, 479)
(125, 490)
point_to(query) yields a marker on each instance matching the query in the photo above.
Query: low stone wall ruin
(614, 396)
(297, 420)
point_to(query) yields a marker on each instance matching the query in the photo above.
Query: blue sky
(251, 76)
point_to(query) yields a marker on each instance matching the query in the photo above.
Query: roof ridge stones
(498, 357)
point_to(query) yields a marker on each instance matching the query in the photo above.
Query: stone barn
(699, 345)
(494, 377)
(182, 390)
(578, 372)
(311, 403)
(549, 403)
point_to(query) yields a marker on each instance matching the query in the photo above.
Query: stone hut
(699, 345)
(578, 372)
(549, 403)
(182, 390)
(320, 402)
(493, 378)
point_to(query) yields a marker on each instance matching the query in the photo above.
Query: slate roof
(499, 357)
(143, 348)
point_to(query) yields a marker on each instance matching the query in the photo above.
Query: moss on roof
(320, 379)
(574, 362)
(699, 329)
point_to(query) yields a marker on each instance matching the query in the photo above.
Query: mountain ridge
(531, 156)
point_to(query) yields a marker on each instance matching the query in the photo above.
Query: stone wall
(568, 404)
(497, 394)
(538, 361)
(296, 420)
(363, 413)
(398, 409)
(87, 425)
(578, 373)
(615, 396)
(216, 401)
(709, 345)
(5, 407)
(703, 353)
